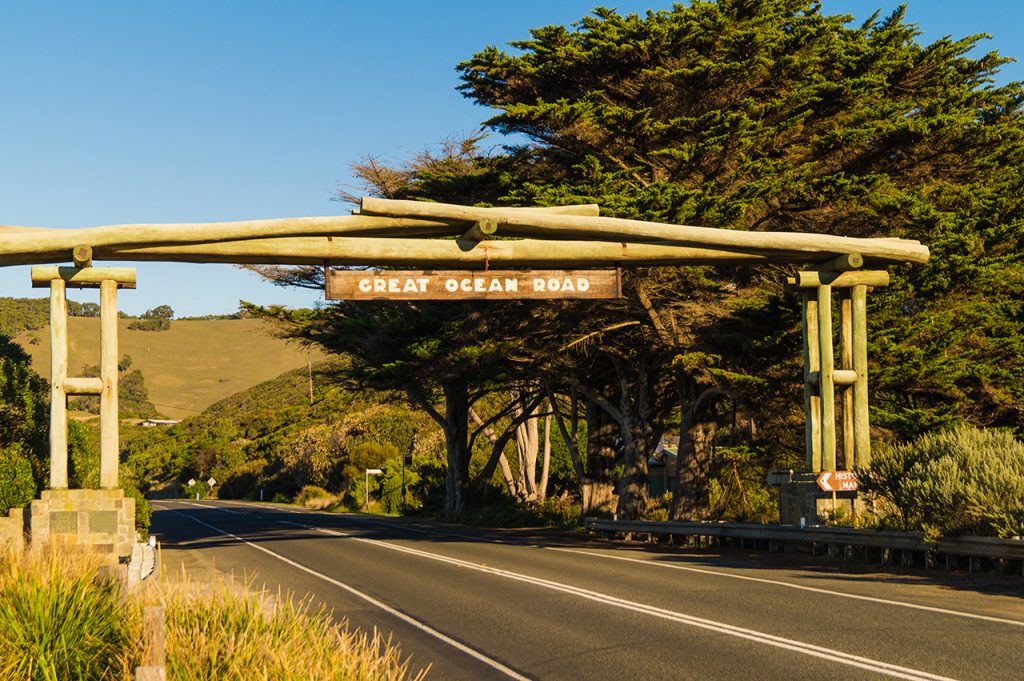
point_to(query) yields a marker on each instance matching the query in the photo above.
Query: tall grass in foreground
(231, 636)
(57, 621)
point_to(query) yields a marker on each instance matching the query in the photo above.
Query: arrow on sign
(837, 481)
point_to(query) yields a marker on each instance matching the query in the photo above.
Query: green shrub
(312, 496)
(959, 482)
(17, 486)
(150, 325)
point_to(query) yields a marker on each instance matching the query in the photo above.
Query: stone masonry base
(101, 520)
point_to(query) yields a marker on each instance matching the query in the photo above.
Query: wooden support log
(58, 375)
(480, 231)
(840, 377)
(619, 229)
(839, 279)
(844, 263)
(109, 451)
(861, 425)
(82, 255)
(25, 242)
(849, 375)
(86, 277)
(812, 366)
(432, 253)
(22, 243)
(83, 385)
(827, 387)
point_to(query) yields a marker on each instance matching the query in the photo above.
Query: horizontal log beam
(844, 263)
(839, 279)
(436, 253)
(636, 231)
(839, 377)
(83, 277)
(21, 244)
(83, 385)
(32, 245)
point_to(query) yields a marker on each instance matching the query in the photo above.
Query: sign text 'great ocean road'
(469, 285)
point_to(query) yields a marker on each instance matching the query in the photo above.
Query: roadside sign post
(407, 461)
(366, 499)
(837, 481)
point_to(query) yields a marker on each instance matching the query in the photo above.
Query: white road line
(706, 571)
(494, 664)
(849, 659)
(790, 585)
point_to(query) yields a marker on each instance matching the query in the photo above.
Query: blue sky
(196, 111)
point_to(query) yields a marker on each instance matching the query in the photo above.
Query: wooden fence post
(154, 659)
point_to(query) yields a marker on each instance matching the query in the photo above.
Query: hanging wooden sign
(472, 285)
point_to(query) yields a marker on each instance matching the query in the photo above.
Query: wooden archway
(388, 233)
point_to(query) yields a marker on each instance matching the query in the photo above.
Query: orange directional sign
(838, 481)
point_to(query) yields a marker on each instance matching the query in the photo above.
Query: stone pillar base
(800, 497)
(12, 530)
(100, 520)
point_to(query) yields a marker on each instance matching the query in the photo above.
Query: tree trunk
(633, 483)
(697, 437)
(545, 468)
(497, 449)
(527, 445)
(456, 435)
(598, 487)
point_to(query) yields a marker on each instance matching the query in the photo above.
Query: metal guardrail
(977, 547)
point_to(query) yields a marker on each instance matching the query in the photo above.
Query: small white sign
(211, 482)
(191, 482)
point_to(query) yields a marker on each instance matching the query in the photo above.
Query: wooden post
(154, 658)
(812, 401)
(861, 432)
(846, 363)
(58, 374)
(825, 385)
(108, 372)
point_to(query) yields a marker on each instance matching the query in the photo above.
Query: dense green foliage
(17, 486)
(133, 397)
(24, 423)
(154, 324)
(767, 116)
(272, 439)
(773, 116)
(963, 481)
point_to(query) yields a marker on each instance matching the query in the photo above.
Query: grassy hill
(186, 368)
(272, 438)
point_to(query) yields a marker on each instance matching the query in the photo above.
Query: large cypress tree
(760, 115)
(770, 115)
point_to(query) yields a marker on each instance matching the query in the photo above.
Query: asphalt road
(477, 604)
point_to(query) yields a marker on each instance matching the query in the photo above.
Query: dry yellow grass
(188, 367)
(58, 622)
